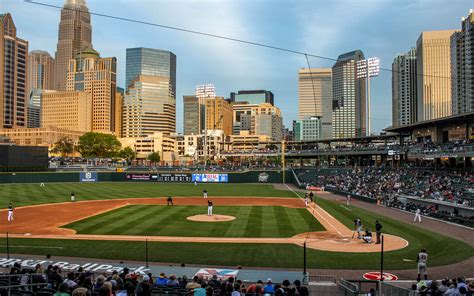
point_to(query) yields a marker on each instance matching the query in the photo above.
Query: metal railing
(17, 284)
(390, 289)
(346, 288)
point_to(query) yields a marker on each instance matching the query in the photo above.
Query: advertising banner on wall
(211, 178)
(88, 177)
(142, 177)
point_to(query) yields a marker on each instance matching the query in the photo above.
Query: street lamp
(366, 69)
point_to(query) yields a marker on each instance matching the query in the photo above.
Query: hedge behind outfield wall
(185, 177)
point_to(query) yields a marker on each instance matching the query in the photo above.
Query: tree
(98, 145)
(271, 147)
(127, 153)
(154, 157)
(64, 146)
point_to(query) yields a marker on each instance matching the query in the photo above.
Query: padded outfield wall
(186, 177)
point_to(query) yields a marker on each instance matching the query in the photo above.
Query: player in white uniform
(42, 184)
(417, 215)
(10, 212)
(204, 192)
(358, 227)
(73, 196)
(348, 200)
(195, 183)
(209, 208)
(421, 259)
(306, 199)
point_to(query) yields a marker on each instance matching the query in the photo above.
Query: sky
(380, 28)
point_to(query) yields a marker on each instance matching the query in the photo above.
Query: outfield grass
(251, 221)
(28, 194)
(441, 249)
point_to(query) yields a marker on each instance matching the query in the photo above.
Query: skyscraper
(252, 96)
(462, 66)
(150, 99)
(205, 91)
(349, 97)
(266, 120)
(308, 129)
(219, 115)
(13, 75)
(40, 71)
(318, 101)
(90, 73)
(75, 34)
(40, 77)
(193, 115)
(433, 67)
(149, 107)
(150, 62)
(404, 80)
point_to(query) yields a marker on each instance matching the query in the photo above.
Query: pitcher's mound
(213, 218)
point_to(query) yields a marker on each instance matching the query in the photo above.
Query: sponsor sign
(171, 177)
(66, 265)
(222, 274)
(263, 177)
(211, 178)
(375, 276)
(142, 177)
(313, 188)
(88, 177)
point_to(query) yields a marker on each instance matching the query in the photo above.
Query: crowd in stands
(125, 283)
(388, 185)
(448, 287)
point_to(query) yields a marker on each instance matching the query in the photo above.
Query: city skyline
(208, 61)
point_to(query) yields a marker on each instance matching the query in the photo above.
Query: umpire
(378, 230)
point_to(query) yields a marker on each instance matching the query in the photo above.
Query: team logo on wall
(263, 177)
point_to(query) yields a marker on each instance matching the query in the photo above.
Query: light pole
(366, 69)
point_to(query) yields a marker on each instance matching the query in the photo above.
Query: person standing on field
(204, 192)
(10, 212)
(209, 208)
(73, 196)
(348, 200)
(169, 201)
(421, 260)
(378, 231)
(417, 215)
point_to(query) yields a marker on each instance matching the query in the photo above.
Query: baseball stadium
(264, 224)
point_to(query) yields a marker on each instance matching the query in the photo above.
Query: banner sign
(211, 178)
(222, 274)
(142, 177)
(65, 265)
(172, 177)
(375, 276)
(88, 177)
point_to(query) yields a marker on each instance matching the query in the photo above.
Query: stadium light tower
(366, 69)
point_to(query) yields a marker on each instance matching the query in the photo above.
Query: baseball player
(195, 183)
(73, 196)
(358, 227)
(348, 200)
(10, 212)
(42, 184)
(306, 199)
(421, 259)
(417, 215)
(209, 208)
(169, 201)
(204, 192)
(311, 195)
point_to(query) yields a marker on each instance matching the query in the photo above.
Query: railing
(17, 284)
(390, 289)
(346, 288)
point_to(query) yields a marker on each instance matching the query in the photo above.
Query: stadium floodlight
(366, 69)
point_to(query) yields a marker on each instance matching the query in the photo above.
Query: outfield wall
(184, 177)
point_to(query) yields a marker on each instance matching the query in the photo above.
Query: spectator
(69, 281)
(194, 283)
(172, 282)
(62, 290)
(104, 291)
(144, 287)
(79, 292)
(268, 288)
(299, 290)
(161, 280)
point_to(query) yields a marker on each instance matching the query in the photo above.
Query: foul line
(314, 209)
(34, 247)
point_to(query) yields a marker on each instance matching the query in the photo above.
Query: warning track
(44, 221)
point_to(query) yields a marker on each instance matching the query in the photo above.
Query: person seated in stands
(144, 287)
(194, 283)
(299, 290)
(214, 282)
(172, 282)
(63, 290)
(161, 280)
(183, 281)
(367, 236)
(69, 281)
(268, 288)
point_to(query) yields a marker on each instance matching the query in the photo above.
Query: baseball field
(268, 227)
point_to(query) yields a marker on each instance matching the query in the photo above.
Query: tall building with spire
(13, 75)
(74, 35)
